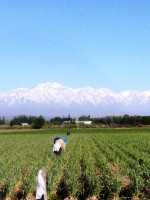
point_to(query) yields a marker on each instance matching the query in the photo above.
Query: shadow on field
(62, 190)
(84, 183)
(3, 192)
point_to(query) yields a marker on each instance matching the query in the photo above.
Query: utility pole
(77, 122)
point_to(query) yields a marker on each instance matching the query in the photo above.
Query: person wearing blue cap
(59, 145)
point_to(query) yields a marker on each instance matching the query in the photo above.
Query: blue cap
(64, 139)
(57, 137)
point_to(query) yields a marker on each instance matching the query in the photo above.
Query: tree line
(34, 121)
(135, 120)
(38, 122)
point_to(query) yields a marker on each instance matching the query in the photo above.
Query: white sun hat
(56, 147)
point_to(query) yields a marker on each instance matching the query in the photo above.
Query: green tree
(2, 121)
(39, 122)
(57, 120)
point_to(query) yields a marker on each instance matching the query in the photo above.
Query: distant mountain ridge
(55, 98)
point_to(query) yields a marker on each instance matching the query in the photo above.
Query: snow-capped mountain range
(56, 99)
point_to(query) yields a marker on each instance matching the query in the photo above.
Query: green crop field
(105, 164)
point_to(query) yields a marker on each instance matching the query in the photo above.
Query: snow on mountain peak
(49, 85)
(48, 92)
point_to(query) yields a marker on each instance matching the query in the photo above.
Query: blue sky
(76, 43)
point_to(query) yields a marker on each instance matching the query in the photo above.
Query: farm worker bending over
(59, 145)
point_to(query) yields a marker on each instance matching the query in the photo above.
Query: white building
(78, 122)
(24, 124)
(66, 122)
(84, 122)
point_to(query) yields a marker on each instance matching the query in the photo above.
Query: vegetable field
(97, 164)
